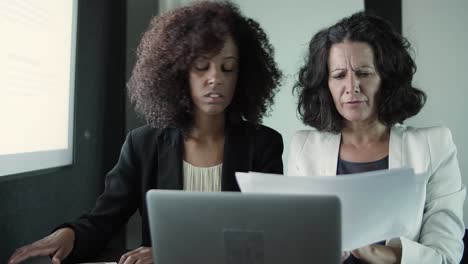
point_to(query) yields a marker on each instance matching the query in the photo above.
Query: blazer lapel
(236, 156)
(330, 155)
(395, 153)
(170, 160)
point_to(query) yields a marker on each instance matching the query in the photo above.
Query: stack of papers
(376, 205)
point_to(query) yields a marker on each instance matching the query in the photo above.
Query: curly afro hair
(397, 99)
(159, 86)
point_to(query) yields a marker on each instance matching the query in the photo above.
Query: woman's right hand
(344, 255)
(57, 245)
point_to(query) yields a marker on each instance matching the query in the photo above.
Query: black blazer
(152, 159)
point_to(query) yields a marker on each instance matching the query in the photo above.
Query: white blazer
(439, 239)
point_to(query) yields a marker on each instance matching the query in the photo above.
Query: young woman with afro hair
(203, 79)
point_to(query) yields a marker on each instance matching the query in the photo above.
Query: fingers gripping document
(376, 205)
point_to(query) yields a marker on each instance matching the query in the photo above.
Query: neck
(207, 127)
(365, 133)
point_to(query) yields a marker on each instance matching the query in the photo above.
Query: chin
(214, 112)
(356, 118)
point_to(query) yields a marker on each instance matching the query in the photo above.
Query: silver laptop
(236, 228)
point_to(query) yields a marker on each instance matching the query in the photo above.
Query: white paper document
(375, 206)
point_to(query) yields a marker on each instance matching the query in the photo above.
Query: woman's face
(353, 80)
(213, 79)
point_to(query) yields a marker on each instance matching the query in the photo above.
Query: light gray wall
(290, 25)
(440, 40)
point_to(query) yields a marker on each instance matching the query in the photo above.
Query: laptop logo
(243, 246)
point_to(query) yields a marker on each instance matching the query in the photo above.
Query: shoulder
(312, 141)
(310, 136)
(268, 132)
(147, 131)
(144, 132)
(428, 135)
(435, 143)
(148, 137)
(257, 131)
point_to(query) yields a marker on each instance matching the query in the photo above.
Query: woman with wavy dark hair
(203, 79)
(356, 90)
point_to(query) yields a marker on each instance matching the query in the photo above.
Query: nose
(352, 84)
(215, 76)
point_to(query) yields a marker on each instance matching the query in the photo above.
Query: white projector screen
(37, 68)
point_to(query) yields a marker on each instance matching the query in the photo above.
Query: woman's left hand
(141, 255)
(378, 254)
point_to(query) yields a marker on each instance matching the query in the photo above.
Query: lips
(214, 97)
(354, 102)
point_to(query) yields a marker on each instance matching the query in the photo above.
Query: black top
(152, 159)
(348, 167)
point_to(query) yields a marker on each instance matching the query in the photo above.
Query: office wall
(440, 40)
(31, 204)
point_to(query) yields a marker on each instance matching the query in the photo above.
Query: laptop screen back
(214, 228)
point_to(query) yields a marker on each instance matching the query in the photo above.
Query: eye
(338, 76)
(363, 74)
(228, 67)
(201, 65)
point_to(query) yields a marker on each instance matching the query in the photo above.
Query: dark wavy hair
(159, 86)
(396, 100)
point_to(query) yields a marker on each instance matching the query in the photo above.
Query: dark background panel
(139, 14)
(388, 9)
(32, 204)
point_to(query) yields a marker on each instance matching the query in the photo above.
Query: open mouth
(214, 95)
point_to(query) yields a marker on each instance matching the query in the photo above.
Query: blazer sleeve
(112, 209)
(268, 151)
(441, 234)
